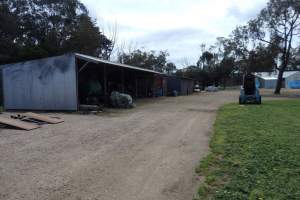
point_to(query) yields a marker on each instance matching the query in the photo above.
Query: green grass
(255, 153)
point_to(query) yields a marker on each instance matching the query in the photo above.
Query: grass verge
(255, 153)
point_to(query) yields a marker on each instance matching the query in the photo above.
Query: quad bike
(249, 92)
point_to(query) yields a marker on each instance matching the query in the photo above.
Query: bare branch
(268, 42)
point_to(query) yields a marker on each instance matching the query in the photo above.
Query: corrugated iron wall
(293, 82)
(173, 83)
(187, 86)
(182, 85)
(45, 84)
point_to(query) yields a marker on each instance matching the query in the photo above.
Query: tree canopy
(152, 60)
(32, 29)
(278, 25)
(266, 43)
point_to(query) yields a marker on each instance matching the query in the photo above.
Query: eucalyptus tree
(31, 29)
(278, 25)
(170, 68)
(152, 60)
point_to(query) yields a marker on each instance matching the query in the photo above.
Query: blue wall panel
(294, 84)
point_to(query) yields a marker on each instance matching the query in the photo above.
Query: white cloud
(178, 26)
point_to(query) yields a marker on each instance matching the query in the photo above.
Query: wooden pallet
(44, 118)
(18, 124)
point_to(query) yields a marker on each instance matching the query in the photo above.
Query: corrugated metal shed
(184, 86)
(268, 80)
(274, 75)
(293, 81)
(50, 83)
(44, 84)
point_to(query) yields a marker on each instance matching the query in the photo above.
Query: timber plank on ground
(18, 124)
(44, 118)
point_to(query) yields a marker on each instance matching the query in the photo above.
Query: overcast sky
(178, 26)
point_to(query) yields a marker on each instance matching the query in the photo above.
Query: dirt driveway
(148, 153)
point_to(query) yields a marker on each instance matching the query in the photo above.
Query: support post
(105, 84)
(123, 80)
(147, 84)
(136, 85)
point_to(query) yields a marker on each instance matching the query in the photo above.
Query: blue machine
(249, 91)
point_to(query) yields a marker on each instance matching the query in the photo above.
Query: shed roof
(98, 60)
(180, 77)
(274, 75)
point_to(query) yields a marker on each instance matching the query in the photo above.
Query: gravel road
(147, 153)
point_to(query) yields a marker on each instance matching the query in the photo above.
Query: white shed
(293, 81)
(268, 80)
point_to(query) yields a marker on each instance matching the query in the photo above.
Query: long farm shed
(65, 82)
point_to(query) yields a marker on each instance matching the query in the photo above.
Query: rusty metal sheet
(44, 118)
(18, 124)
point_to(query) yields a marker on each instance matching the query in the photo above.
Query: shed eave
(98, 60)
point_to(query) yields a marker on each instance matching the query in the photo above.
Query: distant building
(182, 85)
(268, 80)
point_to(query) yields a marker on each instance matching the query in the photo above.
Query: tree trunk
(279, 81)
